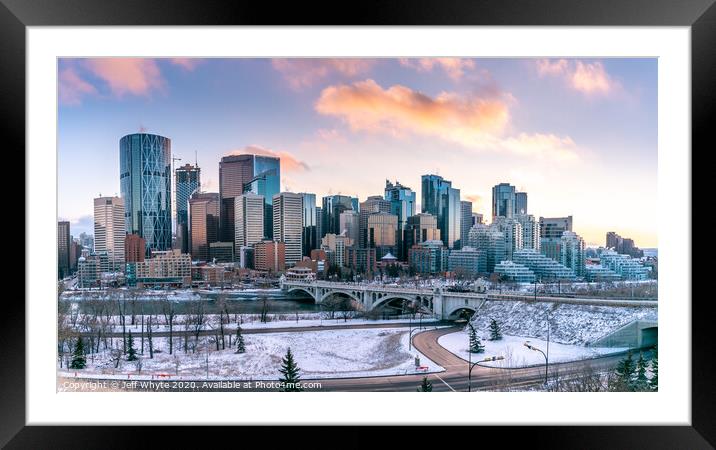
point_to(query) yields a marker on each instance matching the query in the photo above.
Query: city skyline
(346, 125)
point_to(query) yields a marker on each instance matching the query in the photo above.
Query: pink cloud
(289, 163)
(588, 78)
(454, 67)
(135, 76)
(305, 72)
(186, 63)
(72, 88)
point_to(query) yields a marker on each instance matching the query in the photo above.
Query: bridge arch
(306, 291)
(348, 293)
(456, 312)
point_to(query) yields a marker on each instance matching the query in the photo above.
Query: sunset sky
(580, 136)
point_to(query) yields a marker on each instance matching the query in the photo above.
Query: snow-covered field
(319, 354)
(516, 354)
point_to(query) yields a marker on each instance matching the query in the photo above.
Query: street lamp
(473, 364)
(546, 360)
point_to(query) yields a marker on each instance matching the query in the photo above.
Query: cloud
(455, 68)
(186, 63)
(134, 76)
(72, 88)
(474, 198)
(305, 72)
(289, 163)
(590, 79)
(477, 123)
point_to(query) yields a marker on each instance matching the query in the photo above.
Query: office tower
(442, 200)
(134, 246)
(373, 204)
(288, 224)
(530, 231)
(222, 252)
(269, 256)
(503, 200)
(512, 230)
(349, 221)
(333, 206)
(145, 182)
(520, 203)
(335, 246)
(490, 241)
(402, 203)
(76, 251)
(465, 221)
(622, 245)
(553, 227)
(203, 223)
(87, 240)
(109, 232)
(310, 219)
(188, 180)
(476, 219)
(248, 219)
(572, 252)
(420, 228)
(382, 233)
(428, 257)
(63, 249)
(464, 262)
(260, 175)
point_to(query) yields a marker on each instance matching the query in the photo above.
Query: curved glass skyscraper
(145, 182)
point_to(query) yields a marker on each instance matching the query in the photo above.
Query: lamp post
(473, 364)
(546, 360)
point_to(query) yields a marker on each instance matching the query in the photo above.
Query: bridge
(437, 301)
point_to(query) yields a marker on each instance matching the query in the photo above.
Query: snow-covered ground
(319, 354)
(516, 354)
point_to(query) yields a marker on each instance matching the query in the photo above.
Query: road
(455, 376)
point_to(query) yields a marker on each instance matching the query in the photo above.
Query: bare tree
(169, 313)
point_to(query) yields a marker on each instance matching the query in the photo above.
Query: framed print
(362, 214)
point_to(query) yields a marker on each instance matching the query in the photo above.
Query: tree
(78, 357)
(475, 343)
(131, 351)
(624, 373)
(426, 386)
(654, 380)
(495, 333)
(290, 379)
(240, 347)
(642, 382)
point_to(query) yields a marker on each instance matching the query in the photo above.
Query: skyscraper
(333, 206)
(572, 252)
(249, 219)
(530, 231)
(203, 223)
(442, 200)
(520, 203)
(349, 224)
(310, 219)
(247, 173)
(465, 221)
(402, 203)
(63, 249)
(109, 235)
(382, 233)
(288, 224)
(421, 227)
(553, 227)
(503, 200)
(513, 234)
(373, 204)
(145, 182)
(188, 180)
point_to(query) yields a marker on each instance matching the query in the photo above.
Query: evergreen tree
(426, 386)
(290, 379)
(495, 333)
(642, 382)
(78, 357)
(131, 351)
(240, 347)
(475, 343)
(625, 372)
(654, 380)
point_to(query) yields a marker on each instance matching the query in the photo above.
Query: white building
(624, 265)
(530, 231)
(288, 224)
(109, 232)
(544, 268)
(248, 219)
(335, 247)
(515, 272)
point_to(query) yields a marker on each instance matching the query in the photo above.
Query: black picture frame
(700, 15)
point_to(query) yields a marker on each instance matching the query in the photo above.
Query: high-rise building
(530, 231)
(503, 200)
(476, 219)
(623, 246)
(249, 219)
(572, 252)
(490, 242)
(188, 180)
(465, 221)
(428, 257)
(109, 232)
(319, 225)
(373, 204)
(63, 249)
(382, 233)
(553, 227)
(442, 200)
(145, 182)
(349, 224)
(270, 256)
(310, 219)
(134, 246)
(421, 227)
(203, 223)
(258, 174)
(288, 224)
(513, 234)
(362, 260)
(402, 203)
(520, 203)
(336, 245)
(333, 206)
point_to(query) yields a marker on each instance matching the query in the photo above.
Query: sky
(578, 135)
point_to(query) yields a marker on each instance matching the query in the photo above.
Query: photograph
(357, 224)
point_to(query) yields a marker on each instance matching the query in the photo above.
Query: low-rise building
(544, 268)
(515, 272)
(171, 267)
(270, 256)
(465, 262)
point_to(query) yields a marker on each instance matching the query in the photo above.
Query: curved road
(454, 378)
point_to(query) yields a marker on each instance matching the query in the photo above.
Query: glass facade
(520, 203)
(333, 206)
(188, 180)
(310, 238)
(203, 223)
(442, 200)
(145, 183)
(503, 200)
(402, 203)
